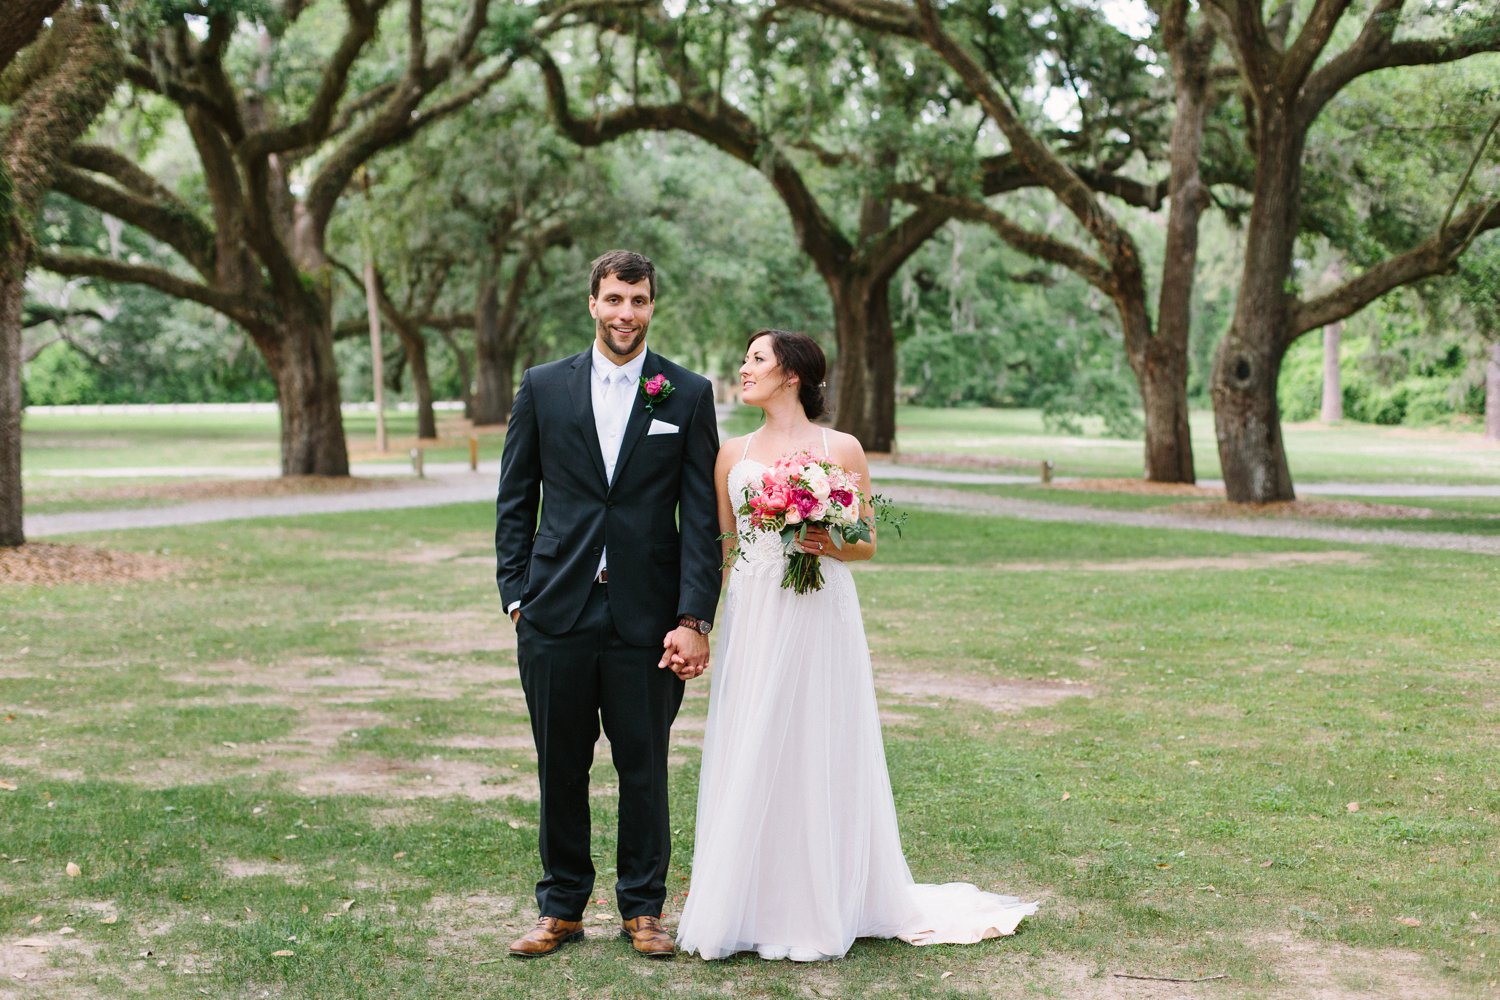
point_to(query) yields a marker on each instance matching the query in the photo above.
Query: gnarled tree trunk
(864, 376)
(497, 333)
(300, 356)
(1162, 376)
(12, 291)
(1247, 417)
(74, 72)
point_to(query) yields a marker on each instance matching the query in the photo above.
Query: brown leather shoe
(547, 936)
(648, 937)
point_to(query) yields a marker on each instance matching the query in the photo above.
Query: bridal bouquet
(804, 490)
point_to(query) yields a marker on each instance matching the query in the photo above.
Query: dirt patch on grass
(1323, 970)
(1341, 510)
(1142, 487)
(237, 868)
(381, 777)
(478, 924)
(47, 564)
(43, 963)
(959, 460)
(1244, 561)
(995, 694)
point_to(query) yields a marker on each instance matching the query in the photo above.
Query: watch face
(704, 627)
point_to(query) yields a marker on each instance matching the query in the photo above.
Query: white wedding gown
(797, 850)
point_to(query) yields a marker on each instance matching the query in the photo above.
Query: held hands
(685, 652)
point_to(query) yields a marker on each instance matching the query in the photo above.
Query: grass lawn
(300, 766)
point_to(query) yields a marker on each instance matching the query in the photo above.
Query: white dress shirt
(614, 391)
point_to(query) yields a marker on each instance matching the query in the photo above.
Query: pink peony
(841, 497)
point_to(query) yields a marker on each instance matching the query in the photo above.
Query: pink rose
(654, 384)
(841, 497)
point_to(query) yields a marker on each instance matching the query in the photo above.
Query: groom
(611, 592)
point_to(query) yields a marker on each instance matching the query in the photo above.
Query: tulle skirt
(797, 851)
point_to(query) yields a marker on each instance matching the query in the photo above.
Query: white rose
(817, 482)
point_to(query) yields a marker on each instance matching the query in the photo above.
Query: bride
(797, 851)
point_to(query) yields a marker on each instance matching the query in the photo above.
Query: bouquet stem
(804, 573)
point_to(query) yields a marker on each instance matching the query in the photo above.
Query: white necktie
(614, 418)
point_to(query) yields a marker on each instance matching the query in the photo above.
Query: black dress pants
(573, 682)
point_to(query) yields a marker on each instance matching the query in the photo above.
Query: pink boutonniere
(655, 389)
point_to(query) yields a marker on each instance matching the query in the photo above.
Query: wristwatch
(696, 624)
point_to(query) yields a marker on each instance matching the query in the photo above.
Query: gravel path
(450, 484)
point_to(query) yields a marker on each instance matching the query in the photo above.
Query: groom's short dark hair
(627, 265)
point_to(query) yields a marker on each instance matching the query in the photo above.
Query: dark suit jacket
(658, 517)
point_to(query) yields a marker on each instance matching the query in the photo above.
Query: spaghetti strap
(748, 438)
(825, 443)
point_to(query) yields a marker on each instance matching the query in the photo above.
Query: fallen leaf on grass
(1353, 807)
(66, 931)
(73, 870)
(7, 786)
(283, 953)
(1067, 796)
(111, 918)
(1409, 921)
(35, 920)
(1267, 864)
(945, 975)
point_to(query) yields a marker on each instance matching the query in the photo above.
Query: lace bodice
(760, 551)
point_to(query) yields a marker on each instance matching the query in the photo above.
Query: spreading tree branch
(77, 265)
(1435, 256)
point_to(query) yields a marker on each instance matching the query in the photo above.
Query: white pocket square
(661, 427)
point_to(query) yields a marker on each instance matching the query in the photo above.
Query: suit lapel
(580, 388)
(635, 428)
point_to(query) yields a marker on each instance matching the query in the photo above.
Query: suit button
(610, 505)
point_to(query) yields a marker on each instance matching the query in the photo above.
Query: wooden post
(1047, 471)
(1333, 393)
(416, 463)
(473, 452)
(372, 306)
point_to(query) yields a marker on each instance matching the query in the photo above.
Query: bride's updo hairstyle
(799, 355)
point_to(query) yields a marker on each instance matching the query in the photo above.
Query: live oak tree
(1292, 69)
(460, 221)
(283, 101)
(50, 89)
(993, 53)
(829, 122)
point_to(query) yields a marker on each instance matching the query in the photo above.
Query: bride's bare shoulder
(733, 447)
(844, 448)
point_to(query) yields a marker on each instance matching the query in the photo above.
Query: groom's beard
(620, 345)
